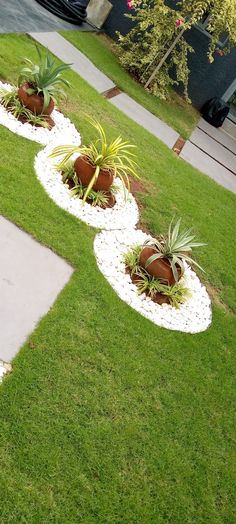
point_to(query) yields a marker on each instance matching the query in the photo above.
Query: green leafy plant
(10, 100)
(114, 157)
(97, 198)
(131, 259)
(177, 294)
(44, 78)
(175, 246)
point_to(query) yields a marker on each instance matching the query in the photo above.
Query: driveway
(24, 16)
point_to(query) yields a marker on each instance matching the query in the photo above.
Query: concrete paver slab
(214, 149)
(69, 54)
(218, 134)
(146, 119)
(31, 276)
(207, 165)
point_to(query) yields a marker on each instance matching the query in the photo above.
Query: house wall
(205, 80)
(116, 21)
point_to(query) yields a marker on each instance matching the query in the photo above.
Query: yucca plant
(175, 247)
(114, 157)
(44, 78)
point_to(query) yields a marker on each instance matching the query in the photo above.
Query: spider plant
(175, 247)
(177, 294)
(10, 101)
(44, 78)
(114, 157)
(131, 259)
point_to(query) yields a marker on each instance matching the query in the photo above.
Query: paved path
(86, 69)
(209, 150)
(81, 65)
(31, 276)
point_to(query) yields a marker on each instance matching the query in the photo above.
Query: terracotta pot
(85, 172)
(160, 268)
(34, 102)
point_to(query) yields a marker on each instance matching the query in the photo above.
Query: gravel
(193, 316)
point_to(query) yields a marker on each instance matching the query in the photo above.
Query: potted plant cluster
(39, 88)
(99, 164)
(40, 84)
(157, 267)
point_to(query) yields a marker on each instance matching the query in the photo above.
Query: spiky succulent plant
(44, 78)
(175, 246)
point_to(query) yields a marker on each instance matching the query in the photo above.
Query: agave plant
(44, 78)
(175, 247)
(114, 157)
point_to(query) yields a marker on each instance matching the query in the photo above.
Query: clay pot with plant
(40, 85)
(164, 258)
(99, 163)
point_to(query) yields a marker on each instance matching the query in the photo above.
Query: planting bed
(192, 317)
(63, 126)
(124, 213)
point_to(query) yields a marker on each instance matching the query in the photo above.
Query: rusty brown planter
(34, 102)
(85, 172)
(160, 268)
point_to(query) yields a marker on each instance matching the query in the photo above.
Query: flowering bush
(158, 29)
(130, 4)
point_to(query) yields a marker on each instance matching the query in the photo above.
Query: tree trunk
(162, 61)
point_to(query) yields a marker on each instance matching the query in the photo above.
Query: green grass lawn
(107, 418)
(175, 112)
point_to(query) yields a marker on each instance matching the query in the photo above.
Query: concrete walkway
(208, 149)
(31, 276)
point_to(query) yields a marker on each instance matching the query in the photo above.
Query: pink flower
(179, 22)
(130, 4)
(219, 52)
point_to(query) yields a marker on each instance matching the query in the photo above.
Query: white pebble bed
(193, 316)
(63, 126)
(124, 214)
(118, 235)
(4, 369)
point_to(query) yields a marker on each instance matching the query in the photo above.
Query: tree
(155, 50)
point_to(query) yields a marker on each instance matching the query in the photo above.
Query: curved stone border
(193, 316)
(63, 126)
(124, 214)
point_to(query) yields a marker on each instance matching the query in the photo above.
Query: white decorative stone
(63, 127)
(4, 369)
(124, 213)
(193, 316)
(119, 233)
